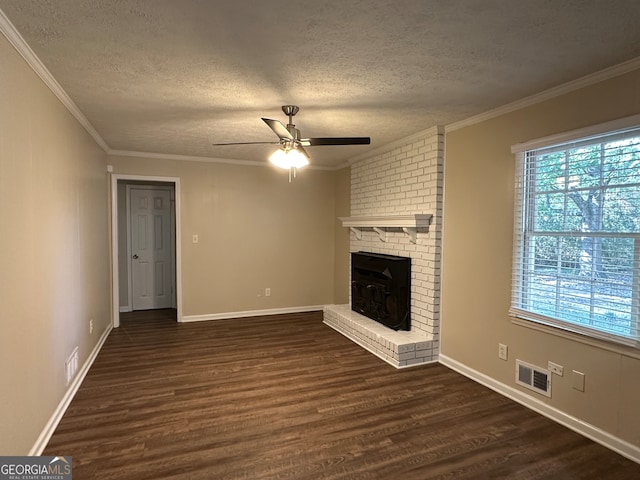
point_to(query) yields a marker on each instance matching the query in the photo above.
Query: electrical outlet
(267, 292)
(503, 351)
(91, 326)
(555, 368)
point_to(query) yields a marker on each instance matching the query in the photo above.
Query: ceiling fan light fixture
(288, 159)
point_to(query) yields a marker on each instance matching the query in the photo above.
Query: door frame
(115, 279)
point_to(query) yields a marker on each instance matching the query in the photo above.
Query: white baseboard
(125, 309)
(53, 422)
(250, 313)
(624, 448)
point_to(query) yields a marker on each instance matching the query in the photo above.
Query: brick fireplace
(396, 209)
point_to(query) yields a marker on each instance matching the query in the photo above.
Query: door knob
(135, 257)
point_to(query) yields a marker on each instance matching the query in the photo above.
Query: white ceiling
(174, 76)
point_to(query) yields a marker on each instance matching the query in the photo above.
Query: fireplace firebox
(380, 288)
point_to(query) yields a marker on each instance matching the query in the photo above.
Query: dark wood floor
(286, 397)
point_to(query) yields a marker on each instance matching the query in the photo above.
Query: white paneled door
(151, 252)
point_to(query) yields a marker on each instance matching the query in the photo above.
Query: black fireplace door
(380, 288)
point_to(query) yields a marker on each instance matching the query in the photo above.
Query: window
(577, 235)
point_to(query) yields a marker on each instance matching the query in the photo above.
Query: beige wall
(255, 231)
(478, 213)
(54, 265)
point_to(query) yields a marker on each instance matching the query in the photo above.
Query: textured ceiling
(174, 76)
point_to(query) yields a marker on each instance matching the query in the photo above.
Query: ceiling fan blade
(279, 129)
(301, 149)
(314, 142)
(245, 143)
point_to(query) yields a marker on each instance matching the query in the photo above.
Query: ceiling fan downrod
(290, 111)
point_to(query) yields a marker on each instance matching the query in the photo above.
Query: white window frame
(532, 319)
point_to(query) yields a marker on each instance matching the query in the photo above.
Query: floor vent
(534, 378)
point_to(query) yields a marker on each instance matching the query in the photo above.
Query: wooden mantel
(408, 223)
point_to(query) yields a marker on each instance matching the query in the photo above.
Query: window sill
(577, 337)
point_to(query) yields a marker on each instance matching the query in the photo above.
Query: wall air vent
(534, 378)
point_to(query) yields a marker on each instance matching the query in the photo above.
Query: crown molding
(587, 80)
(21, 46)
(183, 158)
(619, 125)
(341, 166)
(194, 158)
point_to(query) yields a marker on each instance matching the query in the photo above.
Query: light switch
(578, 380)
(195, 239)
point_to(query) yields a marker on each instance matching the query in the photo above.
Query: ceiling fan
(292, 155)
